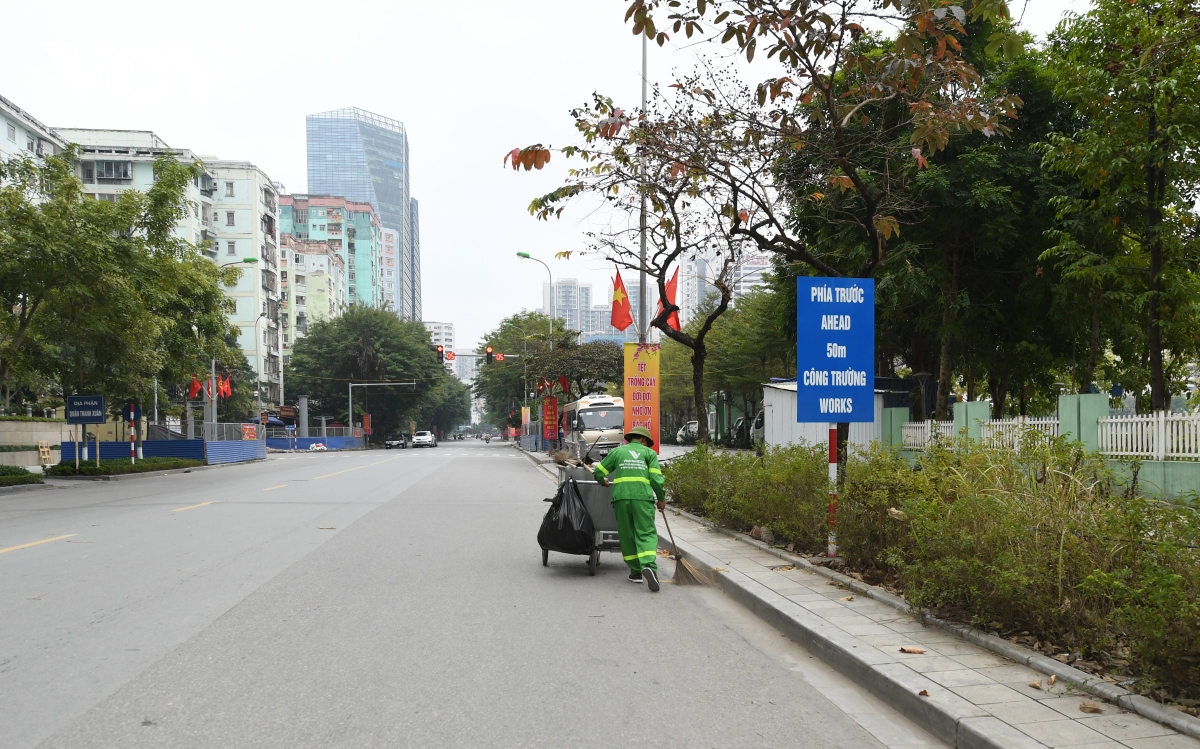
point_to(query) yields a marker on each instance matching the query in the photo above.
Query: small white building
(781, 428)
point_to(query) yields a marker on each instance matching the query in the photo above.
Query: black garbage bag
(567, 527)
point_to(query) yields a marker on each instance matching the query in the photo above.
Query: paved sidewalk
(989, 696)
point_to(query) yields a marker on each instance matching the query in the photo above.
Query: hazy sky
(470, 79)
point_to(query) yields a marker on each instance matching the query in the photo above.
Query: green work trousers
(639, 535)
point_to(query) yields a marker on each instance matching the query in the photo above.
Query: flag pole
(643, 327)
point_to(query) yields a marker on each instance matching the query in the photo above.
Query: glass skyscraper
(364, 157)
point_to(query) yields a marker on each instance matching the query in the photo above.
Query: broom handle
(670, 534)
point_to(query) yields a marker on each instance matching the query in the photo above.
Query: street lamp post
(527, 256)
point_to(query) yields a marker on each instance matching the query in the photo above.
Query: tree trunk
(1094, 350)
(945, 365)
(699, 354)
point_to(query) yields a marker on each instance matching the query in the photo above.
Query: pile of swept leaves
(1043, 544)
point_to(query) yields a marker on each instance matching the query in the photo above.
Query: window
(114, 172)
(229, 189)
(12, 132)
(283, 275)
(229, 218)
(231, 248)
(29, 144)
(89, 171)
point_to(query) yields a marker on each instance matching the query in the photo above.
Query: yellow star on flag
(618, 296)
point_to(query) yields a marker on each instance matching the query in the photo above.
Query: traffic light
(489, 354)
(441, 354)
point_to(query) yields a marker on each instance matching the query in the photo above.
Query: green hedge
(32, 418)
(25, 448)
(1043, 541)
(15, 475)
(120, 467)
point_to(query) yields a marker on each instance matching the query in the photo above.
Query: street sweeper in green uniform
(637, 482)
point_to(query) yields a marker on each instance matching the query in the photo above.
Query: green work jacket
(633, 471)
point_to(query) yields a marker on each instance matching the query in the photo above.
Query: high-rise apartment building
(442, 334)
(364, 158)
(232, 218)
(750, 274)
(313, 278)
(352, 231)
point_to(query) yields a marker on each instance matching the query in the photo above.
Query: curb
(19, 488)
(1143, 706)
(944, 714)
(540, 465)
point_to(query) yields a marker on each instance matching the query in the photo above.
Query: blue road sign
(85, 409)
(835, 350)
(289, 427)
(137, 411)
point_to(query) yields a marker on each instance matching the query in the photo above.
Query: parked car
(397, 441)
(688, 432)
(424, 439)
(758, 431)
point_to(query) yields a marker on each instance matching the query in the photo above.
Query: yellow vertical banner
(524, 415)
(641, 387)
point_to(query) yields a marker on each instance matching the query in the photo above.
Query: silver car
(424, 439)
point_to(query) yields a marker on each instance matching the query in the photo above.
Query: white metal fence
(1008, 432)
(1157, 436)
(919, 434)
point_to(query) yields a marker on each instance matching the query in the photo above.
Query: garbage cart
(598, 501)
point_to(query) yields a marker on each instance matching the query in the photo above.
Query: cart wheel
(592, 562)
(545, 557)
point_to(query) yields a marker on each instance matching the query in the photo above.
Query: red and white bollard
(833, 481)
(132, 432)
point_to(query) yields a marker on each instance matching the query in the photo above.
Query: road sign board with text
(85, 409)
(835, 350)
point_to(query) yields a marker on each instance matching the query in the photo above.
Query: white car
(688, 431)
(424, 439)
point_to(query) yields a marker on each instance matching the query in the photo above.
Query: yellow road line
(348, 470)
(190, 507)
(273, 488)
(35, 543)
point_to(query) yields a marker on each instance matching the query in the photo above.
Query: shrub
(1040, 540)
(120, 467)
(16, 475)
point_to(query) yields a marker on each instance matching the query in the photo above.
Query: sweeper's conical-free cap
(639, 432)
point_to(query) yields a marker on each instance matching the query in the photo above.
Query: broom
(685, 571)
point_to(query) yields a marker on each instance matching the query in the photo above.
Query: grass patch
(120, 467)
(1043, 545)
(16, 475)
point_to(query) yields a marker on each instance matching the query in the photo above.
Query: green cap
(639, 432)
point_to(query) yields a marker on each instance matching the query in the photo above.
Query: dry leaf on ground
(923, 693)
(846, 598)
(912, 650)
(1053, 678)
(1036, 684)
(1090, 707)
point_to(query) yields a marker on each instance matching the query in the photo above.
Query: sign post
(835, 363)
(550, 420)
(85, 409)
(642, 387)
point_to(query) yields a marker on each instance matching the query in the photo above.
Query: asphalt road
(371, 599)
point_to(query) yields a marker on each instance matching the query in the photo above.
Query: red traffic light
(488, 350)
(441, 353)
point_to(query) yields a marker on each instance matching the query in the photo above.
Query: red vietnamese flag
(565, 384)
(194, 389)
(673, 320)
(622, 312)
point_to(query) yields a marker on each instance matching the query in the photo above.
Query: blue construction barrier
(234, 451)
(303, 443)
(193, 449)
